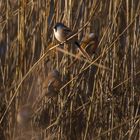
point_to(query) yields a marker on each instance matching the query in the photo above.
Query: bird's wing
(67, 31)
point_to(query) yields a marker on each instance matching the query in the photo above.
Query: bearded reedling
(62, 33)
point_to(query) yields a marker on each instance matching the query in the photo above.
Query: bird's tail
(84, 53)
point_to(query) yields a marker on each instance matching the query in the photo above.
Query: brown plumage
(89, 44)
(52, 84)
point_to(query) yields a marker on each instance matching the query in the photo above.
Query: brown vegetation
(93, 100)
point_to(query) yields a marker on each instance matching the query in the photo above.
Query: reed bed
(98, 100)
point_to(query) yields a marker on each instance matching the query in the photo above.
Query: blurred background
(45, 96)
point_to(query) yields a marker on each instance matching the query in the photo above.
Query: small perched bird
(89, 43)
(62, 33)
(52, 84)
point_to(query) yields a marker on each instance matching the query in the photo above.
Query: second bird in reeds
(52, 84)
(62, 33)
(90, 43)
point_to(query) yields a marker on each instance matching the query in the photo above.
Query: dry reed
(98, 99)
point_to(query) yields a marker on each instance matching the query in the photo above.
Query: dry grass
(96, 100)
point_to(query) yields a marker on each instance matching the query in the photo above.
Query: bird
(90, 44)
(62, 33)
(52, 83)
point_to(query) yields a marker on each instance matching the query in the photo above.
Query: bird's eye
(55, 28)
